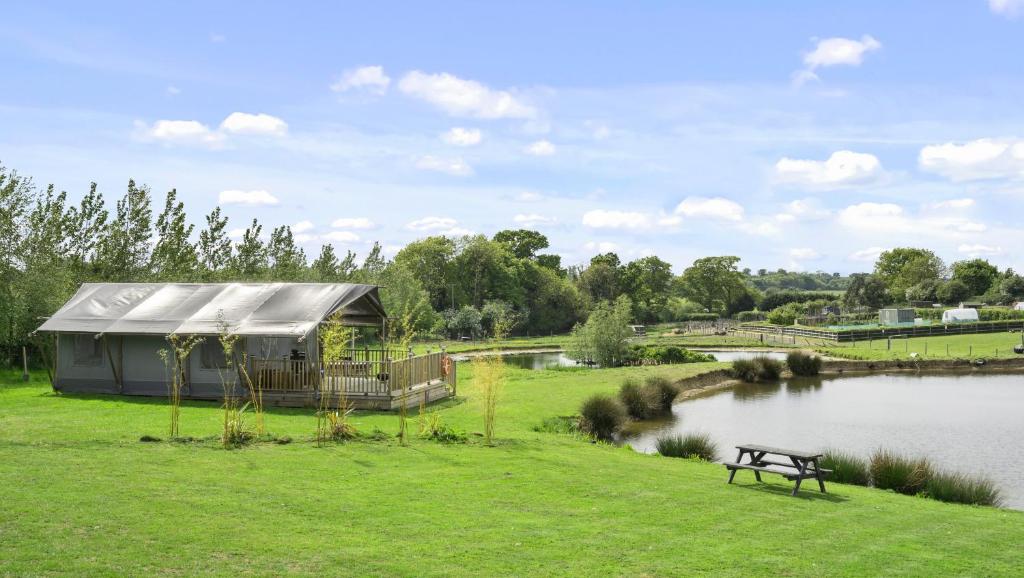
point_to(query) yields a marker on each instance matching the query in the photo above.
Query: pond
(550, 359)
(971, 422)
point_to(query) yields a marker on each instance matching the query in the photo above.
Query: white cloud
(342, 236)
(236, 233)
(872, 216)
(841, 168)
(977, 250)
(978, 159)
(302, 227)
(603, 219)
(802, 210)
(715, 208)
(463, 137)
(179, 132)
(459, 97)
(1010, 8)
(534, 220)
(601, 246)
(541, 148)
(452, 166)
(804, 254)
(953, 204)
(353, 223)
(369, 78)
(258, 124)
(529, 197)
(173, 90)
(840, 51)
(237, 197)
(431, 224)
(869, 255)
(304, 237)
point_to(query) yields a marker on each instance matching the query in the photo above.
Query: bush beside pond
(760, 368)
(602, 416)
(891, 471)
(695, 445)
(803, 363)
(846, 468)
(664, 354)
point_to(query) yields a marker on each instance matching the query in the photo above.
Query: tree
(977, 274)
(174, 257)
(923, 291)
(325, 267)
(214, 245)
(123, 251)
(406, 301)
(430, 261)
(714, 282)
(953, 291)
(499, 318)
(647, 281)
(604, 338)
(601, 281)
(250, 259)
(523, 243)
(484, 269)
(465, 321)
(88, 223)
(866, 291)
(287, 260)
(904, 267)
(373, 265)
(553, 262)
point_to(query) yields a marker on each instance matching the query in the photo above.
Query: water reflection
(756, 391)
(803, 385)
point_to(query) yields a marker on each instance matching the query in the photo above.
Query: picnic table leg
(756, 460)
(799, 478)
(732, 472)
(817, 474)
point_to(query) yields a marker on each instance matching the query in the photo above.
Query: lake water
(974, 423)
(559, 359)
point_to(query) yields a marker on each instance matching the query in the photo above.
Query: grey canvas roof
(281, 309)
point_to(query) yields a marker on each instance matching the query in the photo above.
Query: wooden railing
(364, 371)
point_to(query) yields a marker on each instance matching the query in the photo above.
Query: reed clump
(488, 380)
(602, 416)
(694, 446)
(846, 468)
(891, 471)
(760, 368)
(803, 364)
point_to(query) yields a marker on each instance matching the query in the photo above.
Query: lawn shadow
(807, 492)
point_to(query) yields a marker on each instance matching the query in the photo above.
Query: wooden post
(24, 363)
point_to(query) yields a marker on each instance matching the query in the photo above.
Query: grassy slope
(82, 496)
(986, 345)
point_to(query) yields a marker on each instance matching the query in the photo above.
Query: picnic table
(764, 459)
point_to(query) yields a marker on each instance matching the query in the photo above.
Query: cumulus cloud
(605, 219)
(802, 210)
(452, 166)
(353, 223)
(446, 226)
(869, 255)
(179, 132)
(953, 204)
(534, 220)
(601, 246)
(541, 148)
(1009, 8)
(763, 228)
(256, 124)
(840, 51)
(302, 227)
(462, 137)
(978, 250)
(714, 208)
(465, 98)
(889, 217)
(368, 78)
(840, 169)
(984, 158)
(252, 198)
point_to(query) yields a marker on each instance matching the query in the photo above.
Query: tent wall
(86, 376)
(144, 370)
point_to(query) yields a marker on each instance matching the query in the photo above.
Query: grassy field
(979, 345)
(82, 496)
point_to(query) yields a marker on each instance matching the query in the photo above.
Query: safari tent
(109, 338)
(960, 315)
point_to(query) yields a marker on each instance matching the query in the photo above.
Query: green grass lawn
(82, 496)
(972, 346)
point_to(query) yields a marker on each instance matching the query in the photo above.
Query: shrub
(802, 363)
(890, 471)
(745, 369)
(661, 354)
(962, 489)
(786, 314)
(698, 446)
(638, 401)
(663, 391)
(602, 416)
(846, 468)
(339, 427)
(768, 369)
(749, 316)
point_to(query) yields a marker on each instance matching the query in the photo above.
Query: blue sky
(793, 134)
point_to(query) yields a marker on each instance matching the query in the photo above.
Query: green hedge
(698, 317)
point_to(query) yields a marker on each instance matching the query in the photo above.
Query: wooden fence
(363, 371)
(886, 332)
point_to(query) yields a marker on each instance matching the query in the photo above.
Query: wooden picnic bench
(764, 459)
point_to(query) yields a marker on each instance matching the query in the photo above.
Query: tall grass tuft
(663, 391)
(891, 471)
(768, 369)
(637, 400)
(846, 468)
(488, 380)
(803, 363)
(961, 489)
(694, 445)
(745, 369)
(175, 361)
(602, 416)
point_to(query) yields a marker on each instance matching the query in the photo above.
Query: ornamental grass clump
(695, 445)
(961, 489)
(891, 471)
(638, 400)
(803, 363)
(663, 391)
(768, 369)
(602, 416)
(488, 380)
(846, 468)
(745, 370)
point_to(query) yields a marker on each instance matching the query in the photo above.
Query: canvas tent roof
(277, 309)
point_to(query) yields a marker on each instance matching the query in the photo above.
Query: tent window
(87, 350)
(211, 355)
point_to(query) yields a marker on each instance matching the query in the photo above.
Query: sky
(797, 135)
